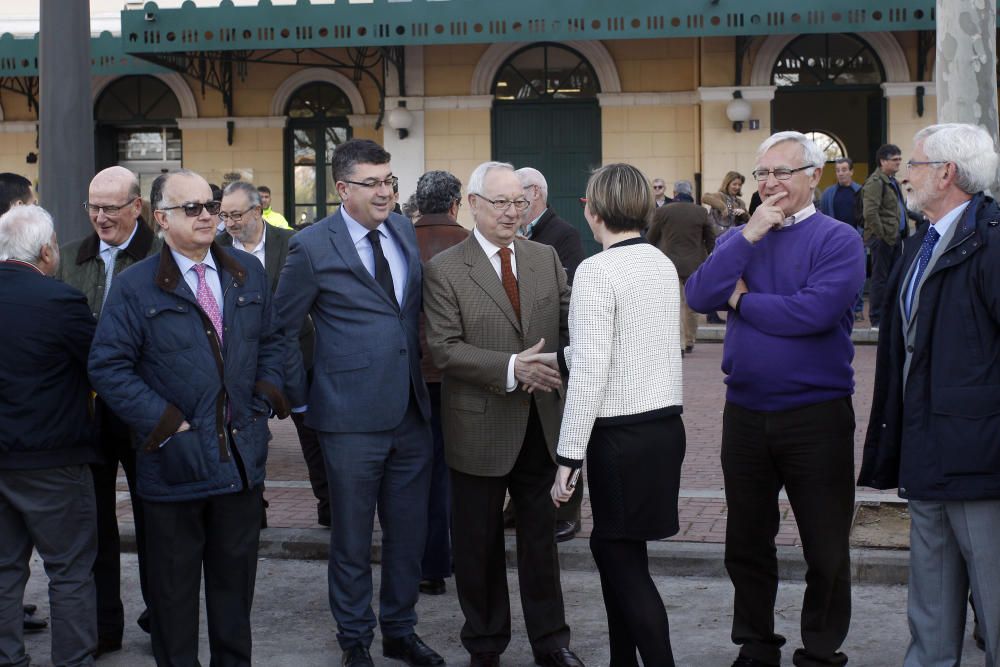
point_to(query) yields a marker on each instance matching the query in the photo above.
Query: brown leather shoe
(561, 657)
(488, 659)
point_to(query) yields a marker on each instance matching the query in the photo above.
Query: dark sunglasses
(193, 210)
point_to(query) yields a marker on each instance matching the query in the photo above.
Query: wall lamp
(400, 119)
(738, 111)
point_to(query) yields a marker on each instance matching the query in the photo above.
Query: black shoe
(357, 656)
(34, 624)
(487, 659)
(323, 517)
(144, 622)
(746, 661)
(688, 349)
(106, 645)
(713, 318)
(30, 609)
(433, 587)
(410, 649)
(561, 657)
(566, 530)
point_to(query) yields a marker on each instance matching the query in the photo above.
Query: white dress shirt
(186, 267)
(258, 251)
(394, 255)
(800, 216)
(493, 254)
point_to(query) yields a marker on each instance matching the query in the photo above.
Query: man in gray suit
(934, 431)
(358, 274)
(247, 231)
(487, 299)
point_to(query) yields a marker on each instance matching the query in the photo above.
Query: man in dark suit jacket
(46, 441)
(247, 231)
(358, 274)
(540, 224)
(683, 232)
(486, 300)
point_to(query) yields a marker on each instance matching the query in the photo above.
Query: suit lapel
(349, 253)
(411, 288)
(482, 273)
(272, 258)
(526, 281)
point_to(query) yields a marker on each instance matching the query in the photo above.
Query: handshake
(536, 370)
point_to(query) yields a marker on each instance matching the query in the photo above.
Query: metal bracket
(925, 42)
(743, 43)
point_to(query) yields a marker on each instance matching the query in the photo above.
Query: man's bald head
(114, 204)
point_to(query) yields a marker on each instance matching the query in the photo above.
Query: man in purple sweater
(789, 278)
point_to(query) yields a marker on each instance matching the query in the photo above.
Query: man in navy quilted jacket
(187, 354)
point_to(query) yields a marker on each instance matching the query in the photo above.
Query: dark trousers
(116, 442)
(884, 257)
(480, 557)
(810, 452)
(313, 455)
(219, 534)
(437, 553)
(388, 472)
(637, 619)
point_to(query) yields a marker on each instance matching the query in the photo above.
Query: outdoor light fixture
(400, 119)
(738, 111)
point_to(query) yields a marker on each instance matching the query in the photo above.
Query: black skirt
(634, 475)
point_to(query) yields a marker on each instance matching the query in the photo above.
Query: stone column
(66, 114)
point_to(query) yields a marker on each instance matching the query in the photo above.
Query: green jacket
(881, 208)
(83, 268)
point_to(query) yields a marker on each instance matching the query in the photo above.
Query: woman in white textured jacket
(623, 408)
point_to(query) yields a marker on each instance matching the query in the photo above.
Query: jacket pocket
(966, 429)
(248, 310)
(170, 326)
(182, 460)
(469, 403)
(348, 362)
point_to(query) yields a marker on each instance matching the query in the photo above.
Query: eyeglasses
(235, 216)
(503, 204)
(374, 183)
(781, 173)
(193, 209)
(916, 163)
(657, 187)
(95, 209)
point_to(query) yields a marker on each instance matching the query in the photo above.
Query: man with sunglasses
(789, 278)
(188, 355)
(358, 274)
(486, 299)
(247, 231)
(91, 264)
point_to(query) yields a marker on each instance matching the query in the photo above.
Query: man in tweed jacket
(487, 299)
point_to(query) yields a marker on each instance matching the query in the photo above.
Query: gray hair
(253, 196)
(478, 176)
(683, 187)
(531, 176)
(969, 147)
(811, 153)
(437, 191)
(24, 231)
(410, 208)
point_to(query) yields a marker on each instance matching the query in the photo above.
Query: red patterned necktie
(207, 301)
(509, 281)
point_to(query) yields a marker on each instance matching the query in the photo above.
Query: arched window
(829, 144)
(543, 72)
(136, 127)
(827, 60)
(317, 124)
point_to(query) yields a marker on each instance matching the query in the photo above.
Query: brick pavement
(702, 507)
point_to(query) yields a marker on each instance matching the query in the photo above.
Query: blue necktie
(926, 250)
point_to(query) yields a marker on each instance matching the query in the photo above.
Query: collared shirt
(258, 251)
(493, 254)
(394, 255)
(800, 216)
(530, 227)
(106, 247)
(942, 227)
(186, 267)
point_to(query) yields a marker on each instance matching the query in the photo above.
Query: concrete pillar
(66, 129)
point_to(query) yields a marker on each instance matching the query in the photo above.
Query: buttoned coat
(367, 358)
(472, 331)
(275, 252)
